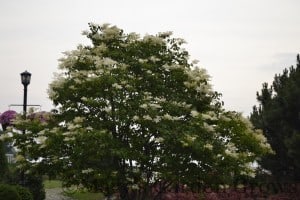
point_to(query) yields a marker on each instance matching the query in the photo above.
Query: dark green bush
(32, 182)
(8, 192)
(3, 162)
(24, 193)
(35, 185)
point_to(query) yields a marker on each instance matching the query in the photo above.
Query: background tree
(6, 119)
(133, 112)
(32, 180)
(278, 115)
(3, 162)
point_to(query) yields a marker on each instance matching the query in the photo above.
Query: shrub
(24, 193)
(35, 185)
(3, 163)
(33, 182)
(8, 192)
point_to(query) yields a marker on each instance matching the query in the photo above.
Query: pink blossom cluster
(7, 117)
(41, 116)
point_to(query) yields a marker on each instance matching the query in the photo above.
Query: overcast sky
(242, 43)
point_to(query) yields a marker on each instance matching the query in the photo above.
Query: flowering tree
(6, 118)
(14, 125)
(132, 112)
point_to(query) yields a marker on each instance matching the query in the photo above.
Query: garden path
(56, 194)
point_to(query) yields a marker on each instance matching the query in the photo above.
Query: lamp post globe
(25, 79)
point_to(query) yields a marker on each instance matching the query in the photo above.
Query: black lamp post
(25, 79)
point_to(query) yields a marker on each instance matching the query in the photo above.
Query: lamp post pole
(25, 79)
(25, 100)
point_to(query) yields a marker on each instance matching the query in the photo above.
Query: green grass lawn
(86, 196)
(78, 195)
(50, 184)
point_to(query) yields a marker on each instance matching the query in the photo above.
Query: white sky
(242, 43)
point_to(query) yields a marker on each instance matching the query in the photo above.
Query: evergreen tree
(278, 115)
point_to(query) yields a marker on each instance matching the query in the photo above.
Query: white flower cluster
(67, 139)
(209, 128)
(208, 146)
(135, 118)
(89, 128)
(4, 136)
(68, 133)
(181, 41)
(194, 113)
(191, 138)
(85, 32)
(154, 39)
(195, 62)
(165, 34)
(78, 120)
(154, 59)
(142, 61)
(107, 109)
(160, 99)
(20, 158)
(167, 117)
(97, 36)
(248, 170)
(108, 61)
(99, 49)
(258, 135)
(133, 36)
(69, 59)
(73, 127)
(198, 80)
(110, 32)
(58, 82)
(153, 106)
(84, 99)
(147, 117)
(170, 117)
(87, 171)
(42, 139)
(148, 96)
(144, 106)
(225, 118)
(171, 67)
(231, 150)
(209, 116)
(159, 140)
(181, 104)
(157, 119)
(104, 65)
(117, 86)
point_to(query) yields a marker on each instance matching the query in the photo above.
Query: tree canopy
(278, 116)
(133, 111)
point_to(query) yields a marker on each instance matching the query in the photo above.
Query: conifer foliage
(278, 115)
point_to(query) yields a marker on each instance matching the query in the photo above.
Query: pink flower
(7, 117)
(41, 116)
